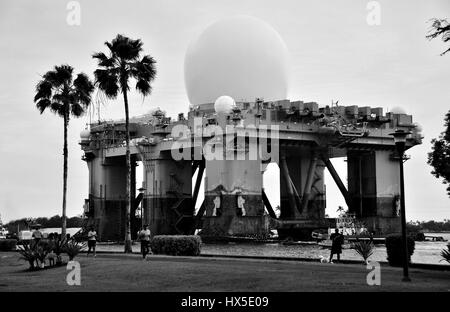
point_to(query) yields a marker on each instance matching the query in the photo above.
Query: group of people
(37, 236)
(144, 236)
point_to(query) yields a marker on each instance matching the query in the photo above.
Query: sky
(334, 55)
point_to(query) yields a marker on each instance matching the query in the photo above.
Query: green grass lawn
(120, 272)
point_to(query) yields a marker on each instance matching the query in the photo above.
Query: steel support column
(297, 197)
(309, 181)
(195, 165)
(198, 182)
(268, 205)
(292, 202)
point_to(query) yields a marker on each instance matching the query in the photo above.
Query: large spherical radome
(240, 56)
(85, 134)
(224, 104)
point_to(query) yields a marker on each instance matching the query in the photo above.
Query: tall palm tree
(115, 69)
(65, 96)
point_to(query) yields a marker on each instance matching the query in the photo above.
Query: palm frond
(76, 110)
(28, 254)
(126, 48)
(82, 82)
(364, 249)
(144, 69)
(58, 108)
(60, 245)
(64, 73)
(103, 60)
(61, 75)
(73, 248)
(43, 104)
(144, 87)
(445, 254)
(43, 90)
(108, 82)
(83, 89)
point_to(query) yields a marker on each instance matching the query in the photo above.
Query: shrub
(46, 245)
(41, 255)
(28, 254)
(8, 244)
(213, 235)
(394, 249)
(176, 245)
(59, 246)
(446, 254)
(364, 249)
(73, 248)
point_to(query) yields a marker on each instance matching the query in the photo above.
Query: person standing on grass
(37, 236)
(144, 236)
(92, 241)
(337, 239)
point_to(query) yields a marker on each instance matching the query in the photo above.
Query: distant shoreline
(434, 232)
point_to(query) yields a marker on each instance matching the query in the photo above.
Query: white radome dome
(241, 56)
(398, 110)
(224, 104)
(85, 134)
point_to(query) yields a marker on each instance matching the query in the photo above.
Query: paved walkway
(428, 253)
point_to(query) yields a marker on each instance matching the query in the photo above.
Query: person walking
(144, 236)
(337, 239)
(92, 241)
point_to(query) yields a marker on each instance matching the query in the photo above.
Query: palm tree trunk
(65, 153)
(128, 248)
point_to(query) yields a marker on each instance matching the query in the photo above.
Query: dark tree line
(429, 226)
(53, 222)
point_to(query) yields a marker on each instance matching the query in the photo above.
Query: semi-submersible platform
(301, 138)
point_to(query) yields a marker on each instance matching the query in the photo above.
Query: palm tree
(122, 63)
(64, 96)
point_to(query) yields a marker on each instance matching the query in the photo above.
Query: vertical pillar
(107, 191)
(167, 201)
(290, 183)
(233, 198)
(373, 187)
(309, 182)
(290, 210)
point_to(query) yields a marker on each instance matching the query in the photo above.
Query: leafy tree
(439, 157)
(429, 226)
(65, 96)
(440, 27)
(112, 76)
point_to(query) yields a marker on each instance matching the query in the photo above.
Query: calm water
(425, 252)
